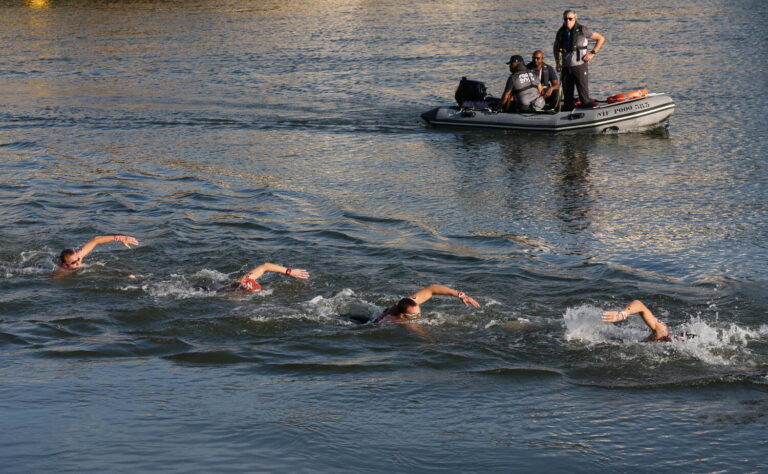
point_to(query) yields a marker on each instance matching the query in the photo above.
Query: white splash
(210, 275)
(584, 324)
(202, 284)
(712, 342)
(491, 323)
(30, 262)
(345, 301)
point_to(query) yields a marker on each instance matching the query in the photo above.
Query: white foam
(210, 275)
(468, 320)
(726, 345)
(319, 309)
(10, 271)
(272, 315)
(434, 319)
(175, 289)
(584, 324)
(491, 324)
(345, 301)
(713, 342)
(30, 262)
(182, 287)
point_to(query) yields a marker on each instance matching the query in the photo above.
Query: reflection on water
(574, 187)
(38, 4)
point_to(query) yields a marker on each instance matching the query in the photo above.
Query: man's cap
(515, 59)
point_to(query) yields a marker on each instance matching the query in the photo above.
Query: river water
(226, 134)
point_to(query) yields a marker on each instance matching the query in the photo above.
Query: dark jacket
(548, 73)
(577, 35)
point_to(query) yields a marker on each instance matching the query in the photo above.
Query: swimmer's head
(70, 259)
(408, 308)
(247, 284)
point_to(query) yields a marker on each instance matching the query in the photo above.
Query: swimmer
(71, 259)
(408, 309)
(248, 281)
(660, 331)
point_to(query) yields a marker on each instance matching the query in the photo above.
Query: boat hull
(638, 114)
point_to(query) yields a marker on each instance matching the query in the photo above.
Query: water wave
(338, 307)
(715, 342)
(20, 146)
(522, 371)
(28, 262)
(343, 302)
(202, 284)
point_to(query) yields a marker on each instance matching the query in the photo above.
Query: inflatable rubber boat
(636, 110)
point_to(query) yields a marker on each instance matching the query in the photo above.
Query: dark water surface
(226, 134)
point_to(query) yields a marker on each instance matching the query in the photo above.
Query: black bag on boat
(470, 91)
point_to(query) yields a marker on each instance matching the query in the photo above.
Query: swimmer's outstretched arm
(103, 239)
(428, 292)
(257, 272)
(659, 328)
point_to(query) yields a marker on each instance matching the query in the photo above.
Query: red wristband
(461, 295)
(288, 271)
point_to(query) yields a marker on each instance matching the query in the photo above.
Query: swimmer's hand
(614, 316)
(298, 273)
(126, 240)
(468, 300)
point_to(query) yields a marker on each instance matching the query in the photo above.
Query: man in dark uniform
(570, 47)
(522, 92)
(547, 78)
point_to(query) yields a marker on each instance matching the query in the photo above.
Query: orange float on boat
(628, 96)
(616, 98)
(637, 94)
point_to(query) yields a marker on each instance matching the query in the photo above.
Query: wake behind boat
(638, 110)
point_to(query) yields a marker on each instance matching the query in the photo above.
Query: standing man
(522, 92)
(571, 52)
(547, 78)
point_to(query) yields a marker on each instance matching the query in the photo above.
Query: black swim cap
(404, 304)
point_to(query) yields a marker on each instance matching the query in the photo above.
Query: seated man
(547, 78)
(248, 282)
(660, 331)
(71, 259)
(410, 308)
(523, 90)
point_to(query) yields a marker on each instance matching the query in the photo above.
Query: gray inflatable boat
(650, 111)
